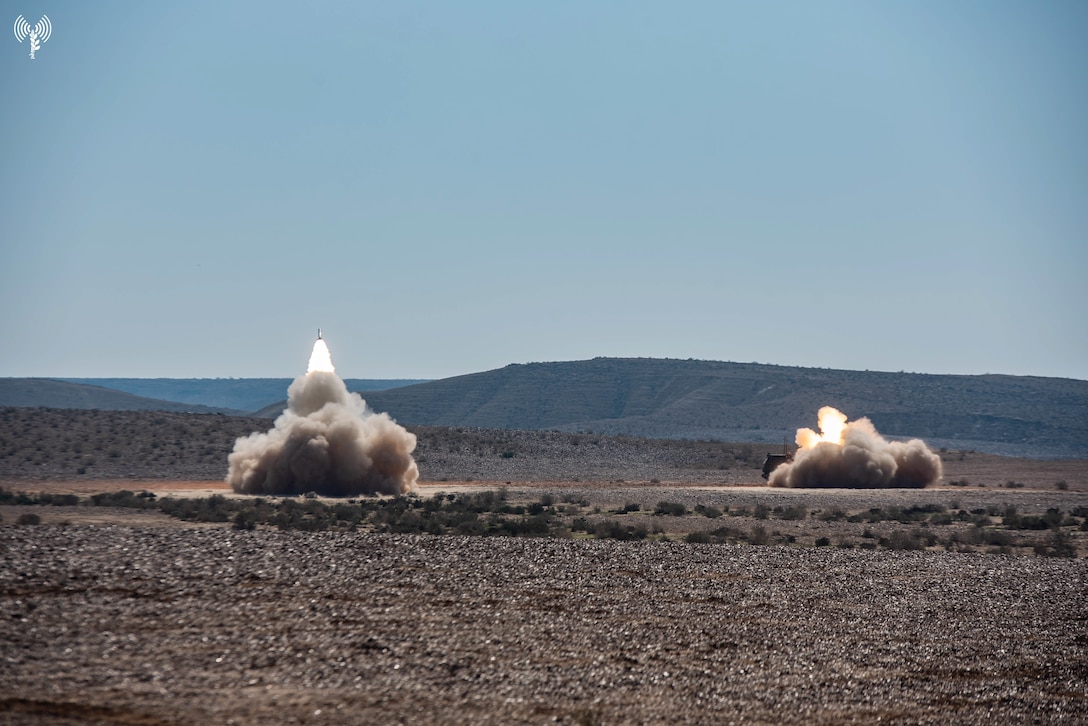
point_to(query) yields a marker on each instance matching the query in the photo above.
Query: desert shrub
(823, 542)
(794, 513)
(762, 510)
(674, 509)
(611, 529)
(711, 512)
(959, 483)
(759, 535)
(1059, 546)
(632, 507)
(836, 515)
(58, 500)
(215, 508)
(901, 540)
(466, 523)
(1061, 485)
(941, 519)
(579, 524)
(245, 520)
(972, 535)
(347, 513)
(698, 538)
(1031, 522)
(1013, 485)
(28, 518)
(124, 498)
(533, 526)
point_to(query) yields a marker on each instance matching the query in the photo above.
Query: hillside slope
(49, 393)
(1014, 415)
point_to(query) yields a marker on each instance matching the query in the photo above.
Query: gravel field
(167, 625)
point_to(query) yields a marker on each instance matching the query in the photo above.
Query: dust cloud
(854, 455)
(327, 441)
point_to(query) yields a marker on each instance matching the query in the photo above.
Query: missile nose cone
(319, 333)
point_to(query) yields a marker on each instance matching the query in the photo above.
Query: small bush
(59, 500)
(674, 509)
(245, 521)
(901, 540)
(611, 529)
(823, 542)
(28, 518)
(1061, 485)
(711, 512)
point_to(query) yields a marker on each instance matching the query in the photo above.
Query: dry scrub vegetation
(1051, 524)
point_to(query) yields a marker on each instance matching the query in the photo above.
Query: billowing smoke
(327, 441)
(853, 454)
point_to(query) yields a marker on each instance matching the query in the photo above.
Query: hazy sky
(191, 189)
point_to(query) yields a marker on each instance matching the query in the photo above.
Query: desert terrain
(668, 585)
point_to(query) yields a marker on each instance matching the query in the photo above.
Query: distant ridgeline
(1012, 415)
(656, 398)
(239, 394)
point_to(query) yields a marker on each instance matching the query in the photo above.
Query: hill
(690, 399)
(49, 393)
(239, 394)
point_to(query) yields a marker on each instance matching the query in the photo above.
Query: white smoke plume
(327, 441)
(853, 454)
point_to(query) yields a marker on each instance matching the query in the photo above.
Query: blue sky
(191, 189)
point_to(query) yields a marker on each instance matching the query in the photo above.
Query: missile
(319, 333)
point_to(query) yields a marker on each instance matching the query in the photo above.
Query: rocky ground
(52, 444)
(123, 616)
(154, 625)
